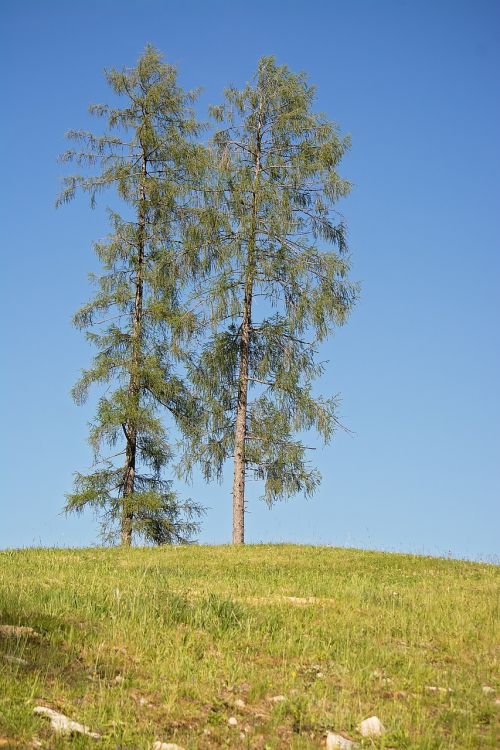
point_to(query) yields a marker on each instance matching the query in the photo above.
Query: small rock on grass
(371, 727)
(18, 631)
(166, 746)
(62, 725)
(434, 689)
(277, 699)
(487, 690)
(239, 703)
(232, 721)
(14, 659)
(339, 742)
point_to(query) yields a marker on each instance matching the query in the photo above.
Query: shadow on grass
(31, 642)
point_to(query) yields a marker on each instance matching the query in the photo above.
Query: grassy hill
(169, 644)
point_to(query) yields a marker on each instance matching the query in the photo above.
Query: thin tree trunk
(129, 485)
(241, 423)
(134, 384)
(240, 434)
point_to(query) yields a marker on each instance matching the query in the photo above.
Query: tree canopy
(150, 155)
(279, 287)
(221, 277)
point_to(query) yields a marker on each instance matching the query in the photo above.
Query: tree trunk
(134, 384)
(240, 434)
(130, 454)
(241, 423)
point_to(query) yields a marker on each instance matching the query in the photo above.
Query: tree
(278, 288)
(149, 154)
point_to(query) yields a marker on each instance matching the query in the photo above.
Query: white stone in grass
(18, 631)
(278, 699)
(232, 721)
(487, 690)
(339, 742)
(166, 746)
(14, 659)
(371, 727)
(434, 689)
(239, 703)
(62, 724)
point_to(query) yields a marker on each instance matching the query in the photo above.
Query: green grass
(158, 644)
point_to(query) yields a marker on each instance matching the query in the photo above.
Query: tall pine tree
(150, 156)
(278, 288)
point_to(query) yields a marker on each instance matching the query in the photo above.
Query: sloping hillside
(287, 642)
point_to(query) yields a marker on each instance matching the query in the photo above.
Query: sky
(417, 365)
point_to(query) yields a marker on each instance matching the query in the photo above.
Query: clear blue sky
(416, 85)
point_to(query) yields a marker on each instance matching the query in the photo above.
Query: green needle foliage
(136, 320)
(278, 288)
